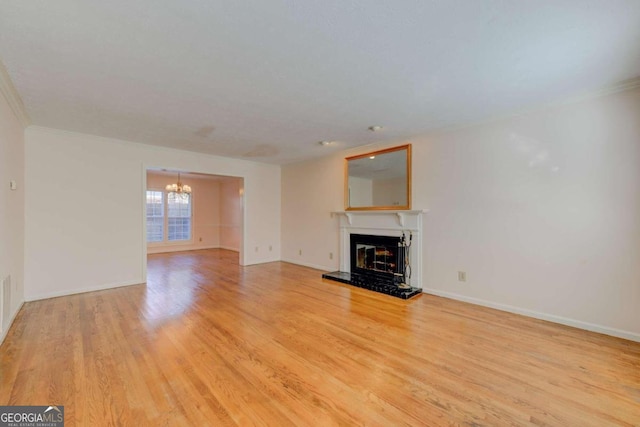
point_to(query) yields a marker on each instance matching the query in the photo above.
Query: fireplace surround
(375, 252)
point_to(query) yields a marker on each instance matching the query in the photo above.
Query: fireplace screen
(377, 258)
(375, 254)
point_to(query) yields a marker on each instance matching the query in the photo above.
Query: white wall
(205, 205)
(231, 214)
(541, 210)
(11, 213)
(310, 191)
(84, 209)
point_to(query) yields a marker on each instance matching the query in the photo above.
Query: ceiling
(267, 80)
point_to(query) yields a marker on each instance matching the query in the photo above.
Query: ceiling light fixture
(178, 187)
(375, 128)
(326, 143)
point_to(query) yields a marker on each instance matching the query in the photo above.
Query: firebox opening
(376, 255)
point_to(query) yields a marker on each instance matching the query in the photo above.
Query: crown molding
(622, 86)
(12, 96)
(625, 85)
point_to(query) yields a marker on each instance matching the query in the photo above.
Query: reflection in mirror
(379, 180)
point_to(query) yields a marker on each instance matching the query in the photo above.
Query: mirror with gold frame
(380, 180)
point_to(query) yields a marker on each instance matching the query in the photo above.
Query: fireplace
(380, 259)
(378, 263)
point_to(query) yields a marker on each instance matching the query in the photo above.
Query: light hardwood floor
(207, 342)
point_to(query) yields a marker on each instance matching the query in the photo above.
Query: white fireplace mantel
(402, 215)
(383, 223)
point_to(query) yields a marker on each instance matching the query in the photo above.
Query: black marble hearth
(382, 285)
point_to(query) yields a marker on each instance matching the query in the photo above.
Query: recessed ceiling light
(375, 128)
(326, 143)
(372, 157)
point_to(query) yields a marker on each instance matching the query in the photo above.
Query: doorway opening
(209, 216)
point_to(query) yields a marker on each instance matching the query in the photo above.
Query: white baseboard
(261, 261)
(82, 290)
(632, 336)
(177, 248)
(307, 264)
(11, 319)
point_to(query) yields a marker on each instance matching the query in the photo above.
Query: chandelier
(178, 187)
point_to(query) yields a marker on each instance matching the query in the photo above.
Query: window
(174, 216)
(179, 215)
(155, 216)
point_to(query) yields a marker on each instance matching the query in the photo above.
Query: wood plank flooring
(207, 342)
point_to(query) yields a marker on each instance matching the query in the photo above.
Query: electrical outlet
(270, 248)
(300, 252)
(256, 249)
(462, 276)
(330, 255)
(200, 239)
